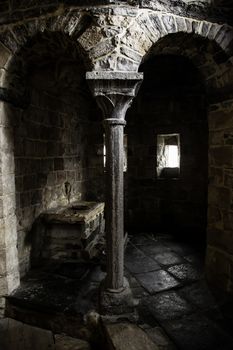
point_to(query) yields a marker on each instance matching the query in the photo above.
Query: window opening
(168, 155)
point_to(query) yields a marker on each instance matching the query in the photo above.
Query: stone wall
(9, 269)
(219, 260)
(53, 149)
(17, 10)
(112, 35)
(168, 102)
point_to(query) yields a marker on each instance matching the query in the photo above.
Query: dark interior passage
(171, 102)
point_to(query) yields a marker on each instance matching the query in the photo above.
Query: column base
(117, 303)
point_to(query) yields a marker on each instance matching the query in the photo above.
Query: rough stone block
(6, 139)
(3, 286)
(17, 335)
(136, 40)
(221, 119)
(217, 260)
(228, 220)
(216, 176)
(124, 64)
(9, 205)
(216, 138)
(13, 280)
(125, 336)
(5, 54)
(219, 197)
(103, 48)
(160, 338)
(63, 342)
(221, 155)
(8, 184)
(169, 23)
(91, 37)
(220, 238)
(215, 216)
(3, 268)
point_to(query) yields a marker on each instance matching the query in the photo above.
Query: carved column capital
(114, 91)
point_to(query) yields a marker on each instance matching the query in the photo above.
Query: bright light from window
(104, 155)
(168, 155)
(172, 156)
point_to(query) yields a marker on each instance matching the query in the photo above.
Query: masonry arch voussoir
(166, 24)
(123, 48)
(71, 23)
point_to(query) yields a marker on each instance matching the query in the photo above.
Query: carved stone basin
(75, 209)
(73, 231)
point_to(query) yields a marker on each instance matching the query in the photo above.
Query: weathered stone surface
(50, 145)
(220, 197)
(221, 155)
(137, 262)
(5, 55)
(167, 258)
(167, 306)
(160, 338)
(125, 336)
(221, 117)
(156, 281)
(218, 265)
(63, 342)
(186, 272)
(15, 335)
(181, 331)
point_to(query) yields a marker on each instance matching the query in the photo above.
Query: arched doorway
(170, 110)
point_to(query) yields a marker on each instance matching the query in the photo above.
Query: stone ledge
(106, 75)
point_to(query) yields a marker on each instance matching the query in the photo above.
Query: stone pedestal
(114, 93)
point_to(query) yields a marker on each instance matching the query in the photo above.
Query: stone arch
(121, 40)
(150, 27)
(13, 42)
(212, 55)
(71, 23)
(211, 61)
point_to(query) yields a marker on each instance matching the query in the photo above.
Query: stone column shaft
(114, 133)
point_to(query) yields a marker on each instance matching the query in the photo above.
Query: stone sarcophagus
(74, 232)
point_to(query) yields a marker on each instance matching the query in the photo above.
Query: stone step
(15, 335)
(63, 342)
(127, 336)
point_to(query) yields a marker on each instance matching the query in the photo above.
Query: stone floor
(168, 278)
(176, 307)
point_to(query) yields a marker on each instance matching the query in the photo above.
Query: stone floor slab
(186, 272)
(196, 332)
(142, 239)
(167, 306)
(126, 336)
(180, 248)
(137, 262)
(157, 281)
(63, 342)
(154, 249)
(168, 258)
(200, 295)
(160, 338)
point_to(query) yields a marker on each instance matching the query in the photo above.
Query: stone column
(114, 93)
